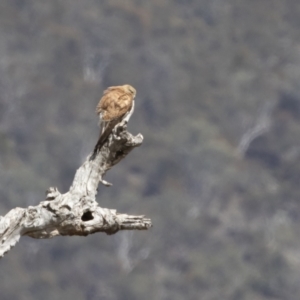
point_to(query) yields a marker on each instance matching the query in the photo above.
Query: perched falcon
(116, 103)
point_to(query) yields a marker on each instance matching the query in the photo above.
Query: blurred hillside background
(218, 103)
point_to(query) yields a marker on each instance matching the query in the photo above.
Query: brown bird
(116, 104)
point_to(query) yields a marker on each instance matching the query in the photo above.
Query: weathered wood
(77, 211)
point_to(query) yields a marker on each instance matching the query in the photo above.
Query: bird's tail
(103, 137)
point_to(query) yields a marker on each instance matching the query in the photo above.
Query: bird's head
(130, 90)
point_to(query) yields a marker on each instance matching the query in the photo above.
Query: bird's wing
(123, 105)
(110, 95)
(114, 105)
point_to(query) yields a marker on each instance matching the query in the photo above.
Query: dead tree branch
(260, 127)
(77, 211)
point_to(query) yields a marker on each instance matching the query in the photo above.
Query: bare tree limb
(261, 126)
(77, 211)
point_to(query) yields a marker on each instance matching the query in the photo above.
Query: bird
(116, 103)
